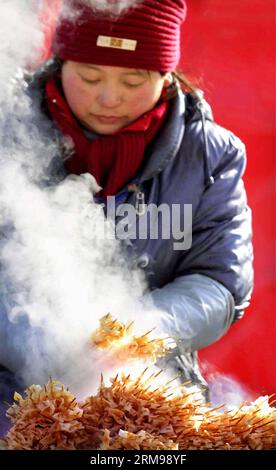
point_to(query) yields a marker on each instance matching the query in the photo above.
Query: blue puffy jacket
(203, 285)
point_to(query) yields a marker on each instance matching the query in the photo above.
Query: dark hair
(180, 80)
(186, 84)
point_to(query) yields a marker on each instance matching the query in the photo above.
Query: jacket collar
(184, 108)
(168, 141)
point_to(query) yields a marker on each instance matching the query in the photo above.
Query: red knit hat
(146, 36)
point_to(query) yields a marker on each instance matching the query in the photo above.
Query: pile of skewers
(133, 413)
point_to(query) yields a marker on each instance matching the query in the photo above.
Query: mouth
(108, 119)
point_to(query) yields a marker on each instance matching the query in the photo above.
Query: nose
(110, 97)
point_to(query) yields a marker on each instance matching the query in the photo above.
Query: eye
(132, 85)
(91, 82)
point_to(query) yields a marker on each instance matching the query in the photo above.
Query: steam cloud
(115, 7)
(58, 275)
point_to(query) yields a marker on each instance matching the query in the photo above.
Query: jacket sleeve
(20, 342)
(214, 278)
(13, 341)
(195, 310)
(27, 349)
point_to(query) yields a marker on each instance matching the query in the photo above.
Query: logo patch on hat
(117, 43)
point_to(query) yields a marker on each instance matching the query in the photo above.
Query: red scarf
(114, 159)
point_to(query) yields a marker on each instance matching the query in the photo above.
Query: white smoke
(58, 274)
(226, 390)
(114, 7)
(71, 9)
(21, 37)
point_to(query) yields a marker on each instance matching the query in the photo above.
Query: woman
(111, 87)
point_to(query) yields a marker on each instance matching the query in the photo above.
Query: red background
(230, 47)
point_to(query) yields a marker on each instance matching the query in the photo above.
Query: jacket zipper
(140, 205)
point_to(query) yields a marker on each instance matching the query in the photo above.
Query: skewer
(129, 326)
(148, 333)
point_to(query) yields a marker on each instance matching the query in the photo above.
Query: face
(105, 98)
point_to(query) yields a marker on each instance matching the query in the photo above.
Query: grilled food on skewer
(132, 413)
(124, 345)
